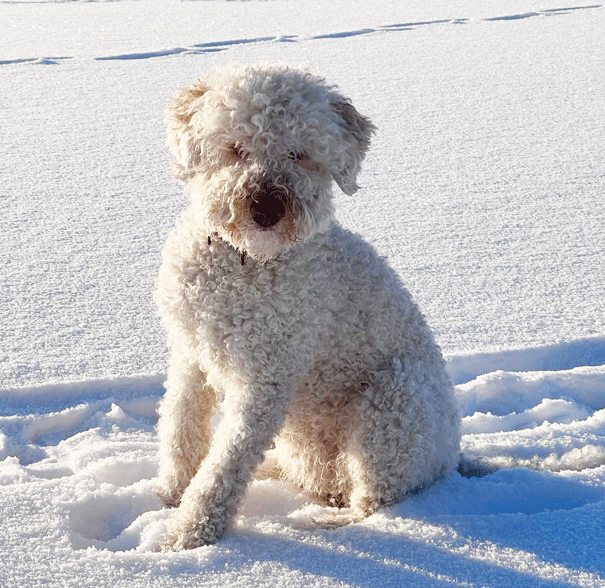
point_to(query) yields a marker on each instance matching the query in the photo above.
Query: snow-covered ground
(485, 188)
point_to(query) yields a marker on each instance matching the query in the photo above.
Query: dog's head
(258, 148)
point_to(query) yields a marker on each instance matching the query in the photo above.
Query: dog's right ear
(181, 136)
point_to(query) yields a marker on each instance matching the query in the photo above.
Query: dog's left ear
(357, 132)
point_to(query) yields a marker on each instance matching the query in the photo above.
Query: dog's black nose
(268, 208)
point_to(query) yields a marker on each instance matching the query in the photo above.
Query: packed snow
(485, 189)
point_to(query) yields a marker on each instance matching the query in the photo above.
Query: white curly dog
(327, 373)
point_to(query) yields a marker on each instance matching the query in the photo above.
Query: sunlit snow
(484, 187)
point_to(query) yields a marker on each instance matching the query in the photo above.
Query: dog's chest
(245, 309)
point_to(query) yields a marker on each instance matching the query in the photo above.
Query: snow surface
(485, 189)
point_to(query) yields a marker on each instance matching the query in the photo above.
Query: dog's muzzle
(268, 205)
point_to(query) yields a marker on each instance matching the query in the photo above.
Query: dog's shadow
(429, 534)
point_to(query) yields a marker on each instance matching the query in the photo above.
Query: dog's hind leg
(391, 447)
(183, 427)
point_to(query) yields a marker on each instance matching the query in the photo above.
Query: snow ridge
(215, 46)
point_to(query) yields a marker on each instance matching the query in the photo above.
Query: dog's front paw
(170, 490)
(172, 541)
(184, 534)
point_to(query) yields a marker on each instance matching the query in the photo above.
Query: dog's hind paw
(333, 518)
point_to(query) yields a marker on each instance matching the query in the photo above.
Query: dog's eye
(304, 161)
(237, 151)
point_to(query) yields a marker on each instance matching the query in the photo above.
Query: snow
(484, 188)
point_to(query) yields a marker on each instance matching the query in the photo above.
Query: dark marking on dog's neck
(242, 254)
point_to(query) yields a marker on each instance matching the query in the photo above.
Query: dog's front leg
(250, 422)
(184, 427)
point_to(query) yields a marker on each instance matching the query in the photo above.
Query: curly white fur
(328, 374)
